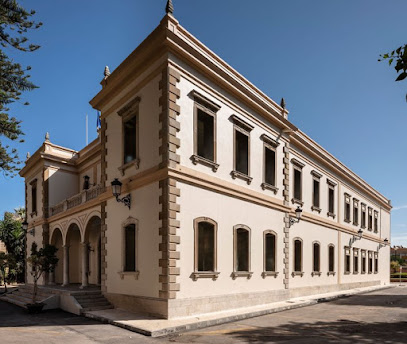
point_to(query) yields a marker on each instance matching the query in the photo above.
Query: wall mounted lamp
(384, 244)
(357, 237)
(25, 228)
(297, 217)
(117, 190)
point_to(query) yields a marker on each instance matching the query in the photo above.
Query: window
(363, 215)
(241, 149)
(355, 260)
(34, 197)
(331, 198)
(376, 262)
(242, 251)
(347, 260)
(331, 259)
(355, 212)
(376, 221)
(370, 262)
(297, 257)
(130, 247)
(347, 208)
(316, 259)
(363, 267)
(269, 254)
(297, 187)
(315, 190)
(269, 163)
(369, 218)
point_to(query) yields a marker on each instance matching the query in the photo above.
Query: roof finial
(170, 7)
(47, 136)
(28, 156)
(282, 103)
(106, 73)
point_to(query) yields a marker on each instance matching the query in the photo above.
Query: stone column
(51, 278)
(84, 246)
(66, 265)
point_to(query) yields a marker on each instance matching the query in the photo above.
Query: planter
(35, 308)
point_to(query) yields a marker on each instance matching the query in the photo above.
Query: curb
(227, 319)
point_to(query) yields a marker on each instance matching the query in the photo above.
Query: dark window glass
(375, 224)
(242, 250)
(331, 200)
(297, 255)
(331, 259)
(363, 265)
(297, 184)
(34, 198)
(242, 152)
(130, 140)
(355, 215)
(370, 222)
(270, 165)
(347, 263)
(316, 193)
(130, 247)
(347, 211)
(363, 224)
(270, 247)
(206, 139)
(370, 265)
(206, 246)
(376, 265)
(316, 257)
(355, 263)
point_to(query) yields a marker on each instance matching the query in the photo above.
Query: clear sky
(321, 56)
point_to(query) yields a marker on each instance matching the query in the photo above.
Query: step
(14, 301)
(88, 297)
(94, 304)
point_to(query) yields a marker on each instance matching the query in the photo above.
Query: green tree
(3, 269)
(397, 58)
(15, 22)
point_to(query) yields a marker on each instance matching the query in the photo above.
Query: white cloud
(400, 207)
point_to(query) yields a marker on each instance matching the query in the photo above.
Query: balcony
(74, 201)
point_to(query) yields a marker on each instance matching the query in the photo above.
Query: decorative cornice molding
(241, 123)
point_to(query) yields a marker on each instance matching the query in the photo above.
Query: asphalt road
(378, 317)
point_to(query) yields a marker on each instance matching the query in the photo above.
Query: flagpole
(86, 129)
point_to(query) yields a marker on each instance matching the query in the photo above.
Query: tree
(15, 22)
(399, 57)
(3, 269)
(394, 266)
(41, 261)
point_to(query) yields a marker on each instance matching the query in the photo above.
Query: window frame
(331, 187)
(363, 215)
(370, 219)
(376, 262)
(128, 112)
(248, 274)
(316, 178)
(136, 272)
(355, 260)
(370, 262)
(205, 274)
(347, 269)
(210, 108)
(245, 129)
(316, 272)
(375, 221)
(34, 190)
(347, 199)
(297, 166)
(331, 272)
(265, 272)
(355, 212)
(295, 272)
(270, 144)
(363, 261)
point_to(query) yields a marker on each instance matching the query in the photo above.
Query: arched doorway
(92, 239)
(57, 241)
(73, 241)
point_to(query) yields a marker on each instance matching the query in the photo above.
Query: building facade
(212, 172)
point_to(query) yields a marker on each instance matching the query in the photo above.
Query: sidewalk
(154, 327)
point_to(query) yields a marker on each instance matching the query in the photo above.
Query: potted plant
(41, 260)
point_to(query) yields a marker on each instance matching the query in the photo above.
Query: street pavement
(377, 317)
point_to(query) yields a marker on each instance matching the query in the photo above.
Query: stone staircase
(23, 295)
(91, 301)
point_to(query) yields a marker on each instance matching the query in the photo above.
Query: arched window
(331, 259)
(269, 252)
(297, 256)
(205, 246)
(242, 241)
(316, 257)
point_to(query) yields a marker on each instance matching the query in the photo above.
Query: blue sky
(321, 56)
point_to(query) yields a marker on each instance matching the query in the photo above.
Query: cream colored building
(215, 171)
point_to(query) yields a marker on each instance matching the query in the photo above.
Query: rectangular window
(130, 248)
(369, 218)
(297, 184)
(355, 260)
(34, 197)
(241, 152)
(315, 194)
(347, 260)
(130, 139)
(297, 256)
(316, 254)
(205, 135)
(363, 267)
(242, 249)
(370, 262)
(376, 263)
(347, 208)
(331, 198)
(355, 212)
(331, 258)
(270, 166)
(376, 221)
(363, 215)
(270, 252)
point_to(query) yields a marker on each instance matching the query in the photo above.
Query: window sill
(314, 208)
(135, 163)
(266, 186)
(363, 273)
(246, 274)
(355, 273)
(329, 214)
(363, 227)
(264, 274)
(355, 223)
(204, 274)
(346, 273)
(376, 272)
(34, 213)
(331, 273)
(376, 232)
(316, 273)
(369, 273)
(196, 159)
(135, 274)
(297, 273)
(297, 201)
(237, 174)
(346, 220)
(369, 229)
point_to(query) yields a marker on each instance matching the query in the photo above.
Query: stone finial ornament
(170, 7)
(106, 73)
(47, 136)
(28, 156)
(282, 103)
